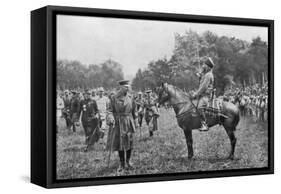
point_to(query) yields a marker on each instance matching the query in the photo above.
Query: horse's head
(163, 95)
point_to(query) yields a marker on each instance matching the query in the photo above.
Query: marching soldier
(151, 112)
(122, 116)
(205, 90)
(90, 121)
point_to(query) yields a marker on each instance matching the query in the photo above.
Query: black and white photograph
(146, 97)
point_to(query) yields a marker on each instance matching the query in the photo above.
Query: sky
(132, 43)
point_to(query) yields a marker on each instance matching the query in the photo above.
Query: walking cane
(111, 144)
(140, 133)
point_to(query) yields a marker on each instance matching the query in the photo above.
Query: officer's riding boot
(204, 126)
(150, 133)
(128, 155)
(122, 160)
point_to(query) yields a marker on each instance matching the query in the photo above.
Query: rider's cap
(148, 91)
(209, 62)
(139, 92)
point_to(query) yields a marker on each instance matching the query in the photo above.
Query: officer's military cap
(148, 91)
(209, 62)
(123, 82)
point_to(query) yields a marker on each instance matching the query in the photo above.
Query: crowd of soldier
(252, 100)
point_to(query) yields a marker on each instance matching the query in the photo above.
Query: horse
(189, 120)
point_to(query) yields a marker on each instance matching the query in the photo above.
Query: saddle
(213, 109)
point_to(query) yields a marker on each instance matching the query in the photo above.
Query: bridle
(183, 102)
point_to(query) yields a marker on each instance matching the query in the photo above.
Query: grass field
(166, 151)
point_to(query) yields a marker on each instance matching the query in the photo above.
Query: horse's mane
(185, 94)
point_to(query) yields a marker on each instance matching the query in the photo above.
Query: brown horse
(189, 118)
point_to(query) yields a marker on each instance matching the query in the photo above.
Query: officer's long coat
(122, 108)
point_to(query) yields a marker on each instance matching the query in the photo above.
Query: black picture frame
(43, 95)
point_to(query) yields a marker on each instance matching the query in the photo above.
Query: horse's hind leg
(232, 138)
(189, 142)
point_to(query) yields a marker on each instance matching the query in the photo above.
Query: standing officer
(151, 112)
(205, 90)
(90, 121)
(122, 114)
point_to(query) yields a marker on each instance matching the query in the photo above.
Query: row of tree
(74, 75)
(236, 62)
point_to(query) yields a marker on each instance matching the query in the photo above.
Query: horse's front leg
(189, 142)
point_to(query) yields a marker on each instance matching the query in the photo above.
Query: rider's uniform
(204, 92)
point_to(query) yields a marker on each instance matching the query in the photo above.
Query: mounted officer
(205, 91)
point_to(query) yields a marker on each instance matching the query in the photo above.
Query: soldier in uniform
(60, 107)
(140, 108)
(90, 122)
(66, 110)
(151, 112)
(121, 113)
(93, 95)
(203, 94)
(74, 109)
(102, 103)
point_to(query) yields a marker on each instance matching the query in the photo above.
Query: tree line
(74, 75)
(237, 62)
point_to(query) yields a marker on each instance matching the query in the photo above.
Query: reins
(184, 102)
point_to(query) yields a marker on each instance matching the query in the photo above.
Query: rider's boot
(204, 126)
